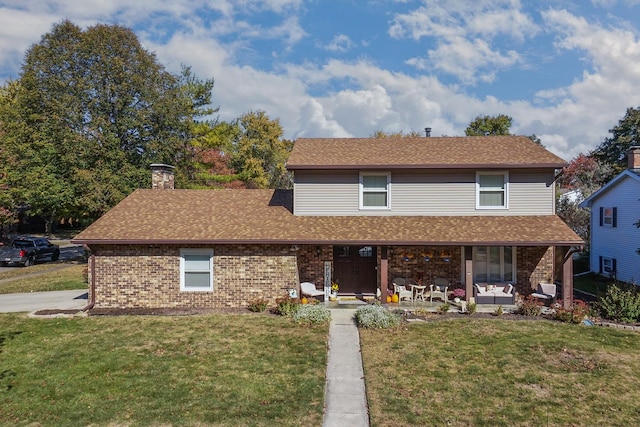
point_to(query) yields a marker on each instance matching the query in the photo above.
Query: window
(374, 190)
(608, 217)
(493, 264)
(608, 266)
(492, 190)
(196, 270)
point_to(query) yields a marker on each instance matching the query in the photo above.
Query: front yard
(263, 370)
(492, 372)
(182, 370)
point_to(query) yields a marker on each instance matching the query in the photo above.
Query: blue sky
(564, 70)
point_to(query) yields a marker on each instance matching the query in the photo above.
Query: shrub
(498, 311)
(312, 314)
(287, 306)
(258, 305)
(530, 306)
(444, 308)
(376, 317)
(621, 305)
(576, 313)
(471, 307)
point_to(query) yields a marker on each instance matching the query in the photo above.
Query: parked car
(26, 250)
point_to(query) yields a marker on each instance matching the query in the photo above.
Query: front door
(354, 268)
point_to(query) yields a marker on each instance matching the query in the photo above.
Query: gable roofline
(588, 202)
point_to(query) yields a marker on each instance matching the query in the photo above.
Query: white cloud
(463, 33)
(340, 43)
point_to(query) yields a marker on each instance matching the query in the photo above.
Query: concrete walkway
(345, 397)
(34, 301)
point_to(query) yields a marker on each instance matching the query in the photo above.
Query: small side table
(418, 292)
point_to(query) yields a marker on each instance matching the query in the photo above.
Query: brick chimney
(162, 177)
(633, 157)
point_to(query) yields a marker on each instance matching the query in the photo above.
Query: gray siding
(433, 193)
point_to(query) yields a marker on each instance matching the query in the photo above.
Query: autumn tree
(613, 150)
(579, 179)
(258, 151)
(489, 125)
(89, 113)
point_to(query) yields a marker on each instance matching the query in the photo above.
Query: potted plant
(458, 295)
(334, 289)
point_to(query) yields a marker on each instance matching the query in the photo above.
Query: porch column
(468, 278)
(384, 274)
(567, 279)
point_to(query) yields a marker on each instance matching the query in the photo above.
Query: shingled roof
(433, 153)
(265, 216)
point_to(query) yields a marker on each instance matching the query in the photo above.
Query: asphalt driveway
(36, 301)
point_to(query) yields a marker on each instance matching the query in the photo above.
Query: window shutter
(614, 267)
(601, 216)
(615, 217)
(600, 263)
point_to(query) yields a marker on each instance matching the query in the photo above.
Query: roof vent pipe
(427, 132)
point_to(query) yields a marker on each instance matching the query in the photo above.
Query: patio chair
(400, 288)
(439, 289)
(309, 289)
(546, 292)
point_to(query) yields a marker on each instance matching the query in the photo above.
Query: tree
(489, 125)
(382, 134)
(579, 179)
(89, 113)
(625, 134)
(258, 152)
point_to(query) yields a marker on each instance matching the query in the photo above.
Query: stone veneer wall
(534, 265)
(130, 276)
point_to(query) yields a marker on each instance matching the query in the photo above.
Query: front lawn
(43, 278)
(492, 372)
(256, 370)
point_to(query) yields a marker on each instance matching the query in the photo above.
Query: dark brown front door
(354, 268)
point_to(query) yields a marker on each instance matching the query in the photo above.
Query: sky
(564, 70)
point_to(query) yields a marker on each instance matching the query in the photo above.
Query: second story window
(374, 190)
(608, 217)
(492, 190)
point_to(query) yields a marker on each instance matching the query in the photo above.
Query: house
(362, 212)
(615, 211)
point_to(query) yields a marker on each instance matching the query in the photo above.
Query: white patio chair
(439, 289)
(400, 288)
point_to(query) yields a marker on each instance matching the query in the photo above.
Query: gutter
(92, 269)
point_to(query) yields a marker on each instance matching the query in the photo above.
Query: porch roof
(265, 216)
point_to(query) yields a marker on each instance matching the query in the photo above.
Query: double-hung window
(609, 217)
(196, 270)
(374, 190)
(492, 190)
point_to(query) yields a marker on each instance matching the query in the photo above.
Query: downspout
(92, 271)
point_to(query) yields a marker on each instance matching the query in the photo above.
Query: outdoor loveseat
(494, 293)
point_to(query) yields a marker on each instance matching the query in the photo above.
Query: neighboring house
(362, 212)
(615, 210)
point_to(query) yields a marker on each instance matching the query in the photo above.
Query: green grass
(43, 277)
(501, 373)
(244, 370)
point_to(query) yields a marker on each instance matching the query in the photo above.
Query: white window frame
(201, 251)
(505, 189)
(607, 220)
(607, 266)
(386, 190)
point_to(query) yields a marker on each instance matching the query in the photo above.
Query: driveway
(35, 301)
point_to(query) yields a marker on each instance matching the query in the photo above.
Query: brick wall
(141, 276)
(416, 265)
(534, 265)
